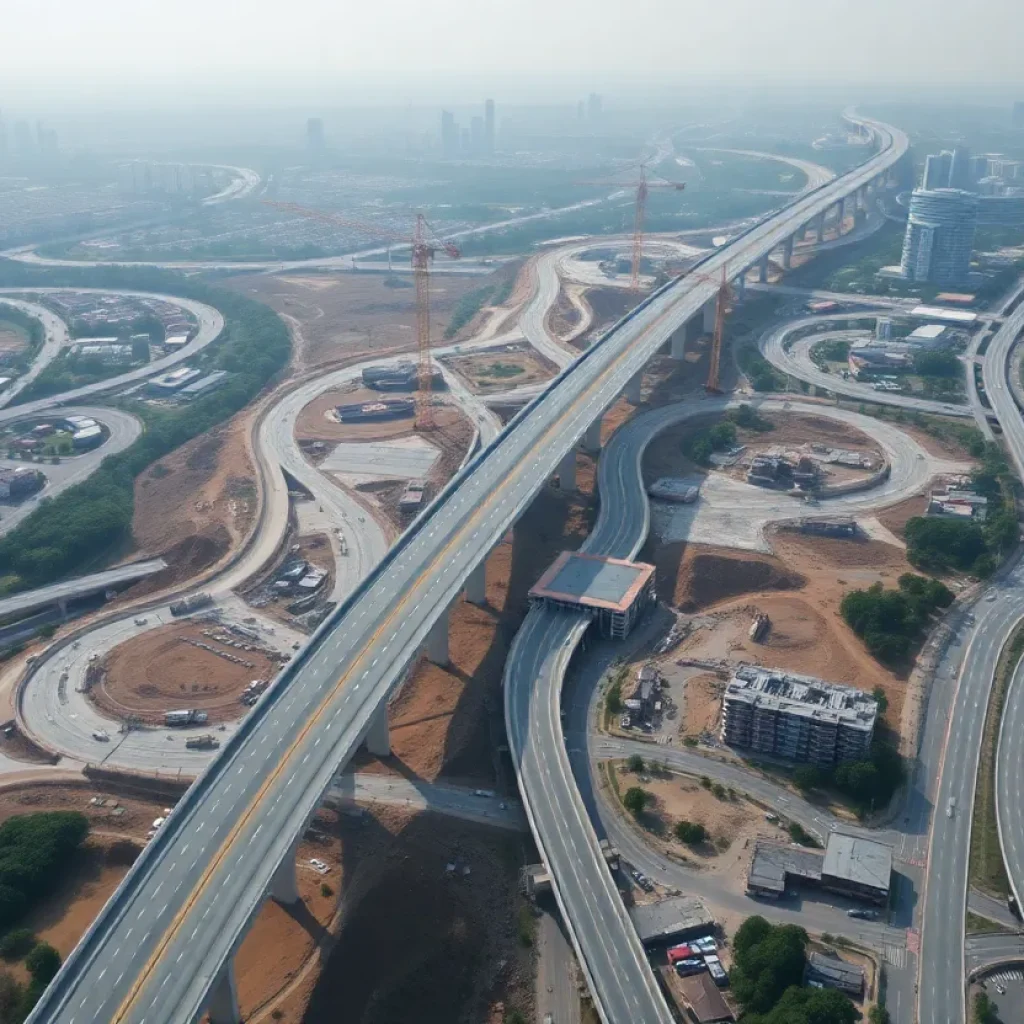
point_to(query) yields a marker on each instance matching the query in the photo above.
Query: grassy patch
(987, 870)
(975, 924)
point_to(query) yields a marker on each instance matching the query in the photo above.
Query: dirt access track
(164, 669)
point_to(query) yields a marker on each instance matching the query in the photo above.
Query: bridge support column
(378, 739)
(437, 641)
(840, 216)
(62, 604)
(476, 584)
(567, 471)
(740, 290)
(223, 1005)
(762, 271)
(678, 343)
(787, 254)
(634, 392)
(592, 438)
(710, 310)
(819, 227)
(284, 886)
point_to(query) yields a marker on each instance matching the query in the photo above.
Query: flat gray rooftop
(593, 581)
(858, 860)
(773, 862)
(679, 915)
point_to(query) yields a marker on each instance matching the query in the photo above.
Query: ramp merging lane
(181, 912)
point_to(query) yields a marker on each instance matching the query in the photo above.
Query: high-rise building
(449, 135)
(936, 170)
(23, 138)
(477, 136)
(489, 126)
(940, 236)
(315, 135)
(960, 169)
(594, 107)
(1018, 115)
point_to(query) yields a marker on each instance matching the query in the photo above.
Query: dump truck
(205, 742)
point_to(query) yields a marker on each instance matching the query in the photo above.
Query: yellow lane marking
(232, 836)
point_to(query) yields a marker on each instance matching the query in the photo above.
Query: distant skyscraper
(489, 126)
(940, 236)
(960, 169)
(936, 170)
(449, 135)
(23, 137)
(315, 135)
(594, 107)
(477, 136)
(1018, 115)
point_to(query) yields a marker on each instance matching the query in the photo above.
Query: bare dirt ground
(499, 369)
(895, 517)
(445, 721)
(194, 505)
(349, 314)
(563, 316)
(314, 548)
(609, 305)
(702, 705)
(425, 931)
(800, 588)
(733, 822)
(162, 670)
(12, 339)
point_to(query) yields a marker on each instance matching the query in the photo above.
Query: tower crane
(424, 243)
(643, 187)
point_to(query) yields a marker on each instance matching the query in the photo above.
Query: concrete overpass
(162, 948)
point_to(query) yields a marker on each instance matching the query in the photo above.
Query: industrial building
(670, 920)
(797, 717)
(849, 865)
(613, 591)
(939, 239)
(832, 972)
(386, 409)
(203, 386)
(19, 483)
(168, 383)
(401, 376)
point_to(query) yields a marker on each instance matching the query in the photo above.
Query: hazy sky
(419, 50)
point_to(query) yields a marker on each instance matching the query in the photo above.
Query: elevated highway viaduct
(161, 950)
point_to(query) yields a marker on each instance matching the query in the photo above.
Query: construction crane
(424, 244)
(722, 300)
(643, 188)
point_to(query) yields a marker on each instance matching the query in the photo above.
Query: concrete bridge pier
(378, 739)
(740, 289)
(762, 270)
(592, 438)
(567, 471)
(284, 886)
(223, 1006)
(840, 216)
(819, 227)
(677, 343)
(709, 311)
(787, 254)
(476, 584)
(437, 641)
(634, 389)
(62, 604)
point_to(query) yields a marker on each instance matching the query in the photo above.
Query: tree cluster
(691, 833)
(940, 363)
(938, 545)
(16, 1000)
(713, 439)
(66, 532)
(35, 849)
(890, 622)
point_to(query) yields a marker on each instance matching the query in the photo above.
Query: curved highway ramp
(162, 942)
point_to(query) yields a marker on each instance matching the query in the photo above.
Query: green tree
(690, 832)
(807, 777)
(635, 764)
(43, 963)
(16, 943)
(883, 701)
(767, 960)
(985, 1010)
(613, 698)
(878, 1014)
(635, 800)
(808, 1006)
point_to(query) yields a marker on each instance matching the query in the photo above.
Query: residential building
(671, 920)
(960, 169)
(939, 239)
(797, 717)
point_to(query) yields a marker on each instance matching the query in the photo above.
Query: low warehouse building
(832, 972)
(670, 920)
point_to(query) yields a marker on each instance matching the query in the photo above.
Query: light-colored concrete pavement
(55, 337)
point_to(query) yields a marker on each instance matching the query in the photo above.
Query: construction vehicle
(205, 742)
(187, 716)
(424, 244)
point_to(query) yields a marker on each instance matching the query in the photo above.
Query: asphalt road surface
(184, 906)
